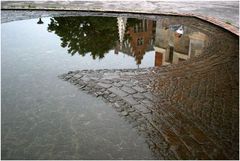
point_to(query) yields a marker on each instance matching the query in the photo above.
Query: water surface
(46, 118)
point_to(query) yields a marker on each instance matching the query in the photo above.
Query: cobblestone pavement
(185, 111)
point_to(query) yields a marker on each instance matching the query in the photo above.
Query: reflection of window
(140, 41)
(145, 26)
(171, 54)
(141, 27)
(135, 28)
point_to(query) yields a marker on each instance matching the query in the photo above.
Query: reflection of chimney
(121, 21)
(158, 59)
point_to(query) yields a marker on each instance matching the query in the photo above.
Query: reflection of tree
(86, 34)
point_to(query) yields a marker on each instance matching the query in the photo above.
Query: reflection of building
(172, 47)
(138, 39)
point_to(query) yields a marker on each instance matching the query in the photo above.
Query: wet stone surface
(183, 108)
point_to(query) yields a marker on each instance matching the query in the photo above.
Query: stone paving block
(130, 100)
(138, 96)
(129, 84)
(139, 89)
(117, 91)
(67, 77)
(97, 94)
(85, 78)
(130, 109)
(110, 75)
(94, 78)
(105, 81)
(104, 85)
(147, 103)
(128, 90)
(124, 113)
(142, 108)
(148, 95)
(117, 84)
(77, 76)
(112, 95)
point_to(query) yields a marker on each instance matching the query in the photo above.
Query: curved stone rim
(215, 21)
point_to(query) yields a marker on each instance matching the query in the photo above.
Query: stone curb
(212, 20)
